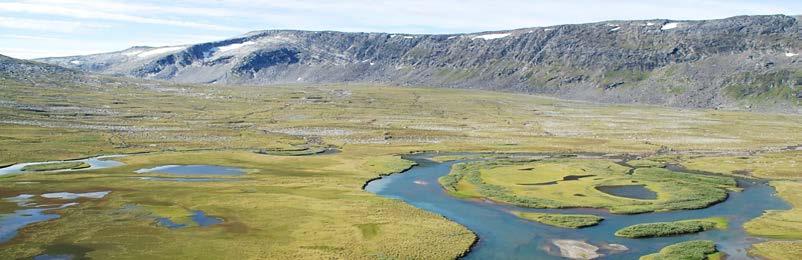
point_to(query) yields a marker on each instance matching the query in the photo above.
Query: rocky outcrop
(746, 62)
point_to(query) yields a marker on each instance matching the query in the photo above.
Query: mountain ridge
(743, 62)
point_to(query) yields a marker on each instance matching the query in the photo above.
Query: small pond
(629, 191)
(54, 257)
(194, 170)
(199, 217)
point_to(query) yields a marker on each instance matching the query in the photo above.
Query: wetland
(250, 172)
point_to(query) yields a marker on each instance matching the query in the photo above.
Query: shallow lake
(629, 191)
(30, 212)
(505, 236)
(194, 170)
(99, 162)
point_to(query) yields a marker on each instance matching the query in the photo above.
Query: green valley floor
(298, 200)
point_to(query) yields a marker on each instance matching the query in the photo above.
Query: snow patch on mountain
(669, 26)
(491, 36)
(234, 46)
(158, 51)
(131, 53)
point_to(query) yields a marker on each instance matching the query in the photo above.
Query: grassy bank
(784, 224)
(663, 229)
(691, 250)
(561, 220)
(56, 166)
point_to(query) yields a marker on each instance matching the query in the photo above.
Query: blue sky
(41, 28)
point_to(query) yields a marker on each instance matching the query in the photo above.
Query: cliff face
(748, 62)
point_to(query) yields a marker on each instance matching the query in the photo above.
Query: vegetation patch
(369, 230)
(664, 229)
(778, 165)
(56, 166)
(502, 180)
(777, 250)
(690, 250)
(779, 85)
(561, 220)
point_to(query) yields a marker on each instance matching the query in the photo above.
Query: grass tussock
(664, 229)
(690, 250)
(561, 220)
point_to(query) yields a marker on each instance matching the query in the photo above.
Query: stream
(505, 236)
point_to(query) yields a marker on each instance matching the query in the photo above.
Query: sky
(47, 28)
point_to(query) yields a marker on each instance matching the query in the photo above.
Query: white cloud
(87, 12)
(447, 16)
(30, 53)
(29, 46)
(46, 25)
(139, 7)
(27, 37)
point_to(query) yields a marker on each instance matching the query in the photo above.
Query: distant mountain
(36, 72)
(745, 62)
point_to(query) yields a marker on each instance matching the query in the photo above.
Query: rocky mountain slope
(36, 72)
(745, 62)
